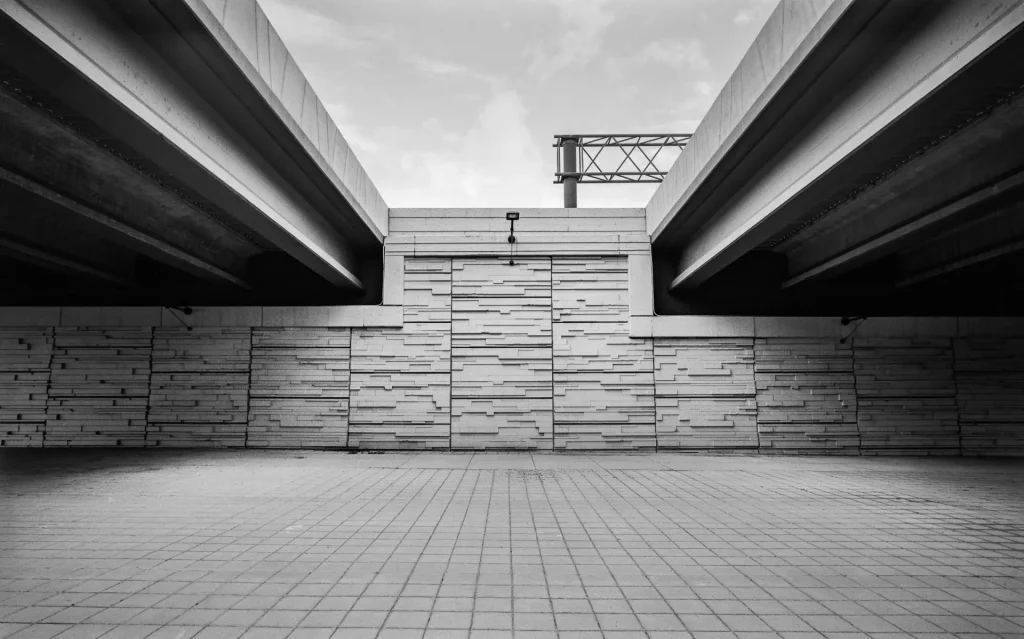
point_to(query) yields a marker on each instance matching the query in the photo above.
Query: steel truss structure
(578, 156)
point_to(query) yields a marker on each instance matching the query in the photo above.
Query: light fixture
(846, 321)
(511, 216)
(187, 310)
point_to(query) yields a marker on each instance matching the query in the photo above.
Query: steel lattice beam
(638, 163)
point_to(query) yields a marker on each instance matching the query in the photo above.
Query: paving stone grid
(261, 544)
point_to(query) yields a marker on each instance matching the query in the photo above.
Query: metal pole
(569, 166)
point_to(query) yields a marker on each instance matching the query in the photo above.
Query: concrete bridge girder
(122, 85)
(840, 114)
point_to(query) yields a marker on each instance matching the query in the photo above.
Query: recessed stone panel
(587, 347)
(707, 422)
(502, 423)
(428, 290)
(502, 372)
(590, 289)
(423, 347)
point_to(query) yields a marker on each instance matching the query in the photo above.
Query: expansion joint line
(49, 382)
(248, 392)
(856, 393)
(956, 394)
(551, 329)
(149, 387)
(451, 347)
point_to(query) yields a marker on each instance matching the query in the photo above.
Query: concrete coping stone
(253, 316)
(709, 326)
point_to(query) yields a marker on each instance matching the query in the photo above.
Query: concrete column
(569, 166)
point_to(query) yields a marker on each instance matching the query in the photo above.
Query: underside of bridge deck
(164, 178)
(886, 180)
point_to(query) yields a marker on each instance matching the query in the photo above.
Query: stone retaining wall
(534, 356)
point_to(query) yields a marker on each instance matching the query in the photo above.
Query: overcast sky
(456, 102)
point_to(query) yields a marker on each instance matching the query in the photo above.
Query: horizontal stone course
(25, 355)
(99, 387)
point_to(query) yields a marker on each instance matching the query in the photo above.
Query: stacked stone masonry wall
(532, 356)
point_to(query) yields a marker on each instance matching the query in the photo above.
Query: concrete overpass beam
(934, 48)
(48, 259)
(987, 238)
(980, 162)
(139, 98)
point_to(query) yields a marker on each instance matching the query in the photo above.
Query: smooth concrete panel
(30, 316)
(110, 316)
(641, 285)
(214, 316)
(354, 316)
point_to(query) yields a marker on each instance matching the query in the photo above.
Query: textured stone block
(300, 372)
(490, 321)
(100, 372)
(301, 338)
(21, 435)
(299, 388)
(25, 349)
(704, 367)
(990, 376)
(597, 436)
(413, 398)
(600, 347)
(400, 411)
(802, 355)
(25, 355)
(428, 290)
(99, 387)
(605, 398)
(590, 290)
(202, 349)
(493, 277)
(96, 421)
(707, 422)
(199, 398)
(24, 375)
(805, 396)
(297, 422)
(414, 348)
(499, 423)
(502, 372)
(23, 396)
(906, 395)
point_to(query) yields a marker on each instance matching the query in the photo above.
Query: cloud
(495, 163)
(675, 54)
(583, 25)
(445, 69)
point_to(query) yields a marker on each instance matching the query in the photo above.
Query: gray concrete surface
(312, 544)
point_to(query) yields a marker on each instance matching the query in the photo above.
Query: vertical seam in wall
(248, 393)
(551, 328)
(757, 404)
(451, 343)
(49, 379)
(654, 390)
(956, 397)
(149, 387)
(348, 389)
(856, 394)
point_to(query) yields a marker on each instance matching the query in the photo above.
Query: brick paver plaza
(316, 544)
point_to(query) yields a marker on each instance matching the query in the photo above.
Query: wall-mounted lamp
(187, 310)
(511, 216)
(846, 321)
